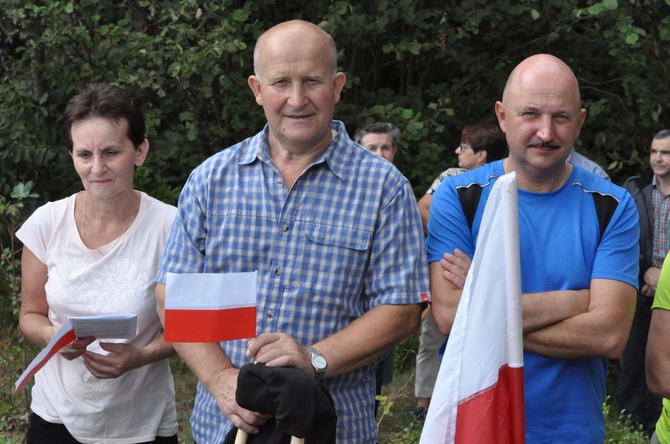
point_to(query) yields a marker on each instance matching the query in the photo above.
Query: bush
(14, 352)
(431, 67)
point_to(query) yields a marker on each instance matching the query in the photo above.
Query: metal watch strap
(319, 371)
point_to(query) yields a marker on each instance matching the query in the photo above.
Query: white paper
(123, 326)
(106, 327)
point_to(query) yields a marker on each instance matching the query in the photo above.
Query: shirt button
(280, 184)
(278, 271)
(270, 314)
(284, 228)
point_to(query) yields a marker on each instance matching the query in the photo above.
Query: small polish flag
(210, 307)
(478, 396)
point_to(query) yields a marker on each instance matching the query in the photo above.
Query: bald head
(541, 116)
(297, 84)
(293, 31)
(543, 69)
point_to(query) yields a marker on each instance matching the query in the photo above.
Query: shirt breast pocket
(336, 256)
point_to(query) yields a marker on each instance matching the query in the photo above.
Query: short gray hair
(662, 134)
(379, 128)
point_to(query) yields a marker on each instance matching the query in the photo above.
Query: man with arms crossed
(324, 222)
(579, 249)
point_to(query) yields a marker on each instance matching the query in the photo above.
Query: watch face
(319, 361)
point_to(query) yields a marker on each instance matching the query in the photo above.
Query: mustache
(549, 145)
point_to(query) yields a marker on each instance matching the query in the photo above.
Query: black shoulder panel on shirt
(606, 205)
(469, 197)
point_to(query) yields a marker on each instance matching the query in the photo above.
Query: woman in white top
(96, 253)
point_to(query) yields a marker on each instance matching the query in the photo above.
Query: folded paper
(101, 327)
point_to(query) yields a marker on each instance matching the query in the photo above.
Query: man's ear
(338, 82)
(255, 85)
(500, 114)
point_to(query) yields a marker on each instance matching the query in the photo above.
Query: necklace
(565, 176)
(125, 227)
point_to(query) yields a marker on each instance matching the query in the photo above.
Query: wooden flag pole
(241, 437)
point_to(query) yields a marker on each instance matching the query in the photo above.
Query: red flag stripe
(183, 325)
(495, 414)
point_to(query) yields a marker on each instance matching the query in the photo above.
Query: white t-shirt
(140, 404)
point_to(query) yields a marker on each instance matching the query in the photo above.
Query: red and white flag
(210, 307)
(478, 396)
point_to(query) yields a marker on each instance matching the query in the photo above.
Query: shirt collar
(335, 156)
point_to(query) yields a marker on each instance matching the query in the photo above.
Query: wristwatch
(318, 362)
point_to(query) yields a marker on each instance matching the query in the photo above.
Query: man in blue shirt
(579, 253)
(333, 230)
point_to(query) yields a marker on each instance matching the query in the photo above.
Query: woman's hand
(76, 348)
(121, 359)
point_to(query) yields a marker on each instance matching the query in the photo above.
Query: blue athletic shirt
(561, 249)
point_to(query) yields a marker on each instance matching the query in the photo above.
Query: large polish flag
(210, 307)
(478, 395)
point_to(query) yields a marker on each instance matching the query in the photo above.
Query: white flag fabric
(210, 307)
(478, 396)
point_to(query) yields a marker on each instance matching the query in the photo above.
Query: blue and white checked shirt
(345, 238)
(661, 238)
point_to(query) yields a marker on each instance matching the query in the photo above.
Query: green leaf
(240, 15)
(664, 32)
(656, 113)
(632, 38)
(596, 9)
(22, 191)
(382, 21)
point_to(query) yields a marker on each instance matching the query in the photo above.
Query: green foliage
(430, 67)
(14, 409)
(11, 217)
(619, 429)
(13, 350)
(410, 433)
